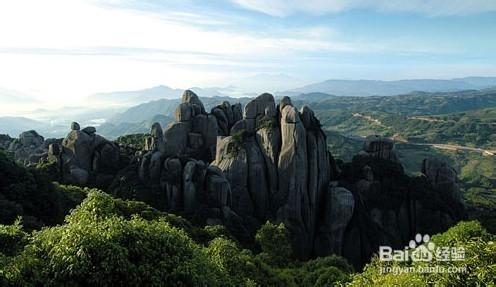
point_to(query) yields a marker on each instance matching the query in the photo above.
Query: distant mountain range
(13, 126)
(124, 112)
(136, 97)
(362, 88)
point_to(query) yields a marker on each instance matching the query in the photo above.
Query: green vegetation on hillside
(135, 140)
(29, 194)
(479, 263)
(109, 242)
(474, 128)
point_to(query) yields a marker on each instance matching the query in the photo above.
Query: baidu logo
(422, 249)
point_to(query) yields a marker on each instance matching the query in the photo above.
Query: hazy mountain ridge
(135, 109)
(388, 88)
(150, 94)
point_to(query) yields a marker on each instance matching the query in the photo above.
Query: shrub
(479, 261)
(274, 242)
(97, 246)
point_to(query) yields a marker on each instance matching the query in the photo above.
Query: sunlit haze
(58, 52)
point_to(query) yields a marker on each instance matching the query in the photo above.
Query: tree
(274, 242)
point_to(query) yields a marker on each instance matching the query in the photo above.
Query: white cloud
(63, 50)
(283, 8)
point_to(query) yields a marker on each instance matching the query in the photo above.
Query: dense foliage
(111, 242)
(477, 269)
(135, 140)
(28, 192)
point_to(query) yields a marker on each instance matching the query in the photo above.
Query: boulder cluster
(390, 207)
(277, 162)
(177, 162)
(29, 148)
(86, 157)
(194, 132)
(269, 161)
(379, 147)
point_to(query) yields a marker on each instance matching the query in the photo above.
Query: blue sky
(63, 50)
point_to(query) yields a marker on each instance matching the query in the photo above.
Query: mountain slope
(13, 126)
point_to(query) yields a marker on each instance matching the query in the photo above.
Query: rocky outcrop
(193, 134)
(29, 148)
(184, 185)
(267, 162)
(339, 209)
(379, 147)
(278, 167)
(390, 206)
(444, 178)
(85, 157)
(175, 167)
(232, 159)
(227, 115)
(5, 141)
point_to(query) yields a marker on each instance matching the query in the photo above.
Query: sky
(61, 51)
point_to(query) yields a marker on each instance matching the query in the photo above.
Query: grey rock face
(75, 126)
(284, 102)
(193, 134)
(156, 131)
(176, 138)
(184, 112)
(232, 159)
(227, 115)
(269, 141)
(5, 141)
(258, 185)
(261, 105)
(173, 188)
(277, 167)
(54, 149)
(379, 147)
(84, 153)
(80, 146)
(339, 209)
(190, 97)
(31, 139)
(206, 125)
(443, 177)
(243, 125)
(195, 140)
(156, 140)
(293, 185)
(89, 130)
(190, 188)
(29, 148)
(218, 188)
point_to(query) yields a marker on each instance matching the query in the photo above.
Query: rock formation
(277, 163)
(29, 148)
(391, 207)
(379, 147)
(227, 115)
(176, 166)
(193, 134)
(85, 157)
(267, 162)
(5, 141)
